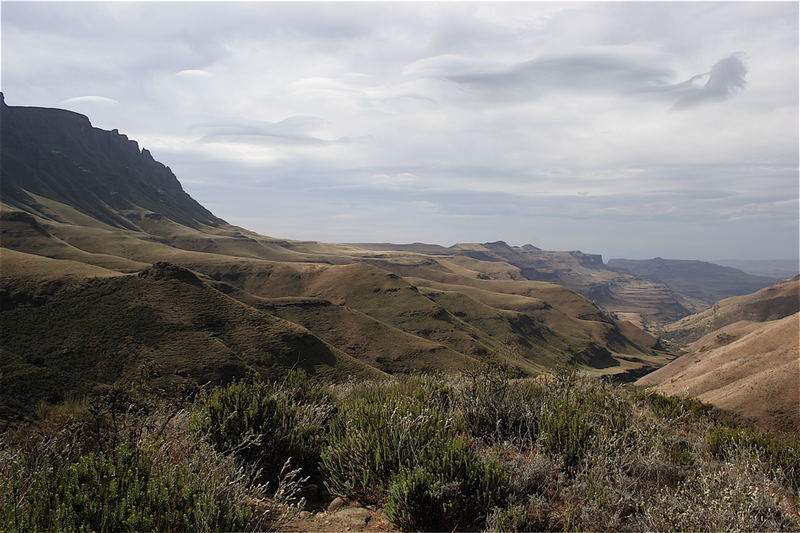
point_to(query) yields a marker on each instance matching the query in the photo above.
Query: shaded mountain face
(57, 154)
(699, 282)
(743, 355)
(84, 212)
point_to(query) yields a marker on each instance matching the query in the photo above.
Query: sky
(626, 129)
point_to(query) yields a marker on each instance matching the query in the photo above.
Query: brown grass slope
(84, 332)
(528, 332)
(756, 375)
(771, 303)
(22, 231)
(36, 268)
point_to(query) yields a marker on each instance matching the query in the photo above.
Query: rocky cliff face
(57, 154)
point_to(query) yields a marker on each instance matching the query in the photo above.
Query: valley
(127, 306)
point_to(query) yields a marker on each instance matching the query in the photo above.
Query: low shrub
(493, 409)
(674, 407)
(781, 454)
(736, 496)
(374, 434)
(266, 424)
(573, 414)
(449, 489)
(121, 491)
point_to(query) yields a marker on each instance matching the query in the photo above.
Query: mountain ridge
(93, 198)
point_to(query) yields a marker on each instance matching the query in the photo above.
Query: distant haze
(782, 269)
(628, 129)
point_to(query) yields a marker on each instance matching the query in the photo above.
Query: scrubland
(473, 452)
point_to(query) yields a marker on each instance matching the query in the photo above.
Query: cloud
(293, 130)
(723, 81)
(90, 99)
(520, 121)
(193, 73)
(592, 70)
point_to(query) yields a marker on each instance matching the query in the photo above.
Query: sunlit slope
(742, 354)
(526, 330)
(23, 232)
(32, 268)
(164, 320)
(369, 340)
(756, 375)
(771, 303)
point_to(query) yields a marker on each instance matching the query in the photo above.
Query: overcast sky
(628, 129)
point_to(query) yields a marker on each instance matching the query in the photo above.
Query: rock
(337, 504)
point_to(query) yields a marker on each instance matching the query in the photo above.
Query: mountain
(699, 283)
(633, 298)
(57, 155)
(109, 266)
(743, 355)
(771, 303)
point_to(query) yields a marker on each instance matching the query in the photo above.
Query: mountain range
(110, 269)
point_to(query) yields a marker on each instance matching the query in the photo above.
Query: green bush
(121, 491)
(266, 424)
(673, 407)
(511, 519)
(779, 453)
(574, 414)
(375, 434)
(417, 501)
(566, 430)
(450, 489)
(493, 409)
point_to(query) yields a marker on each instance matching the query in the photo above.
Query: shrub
(417, 501)
(450, 489)
(737, 496)
(574, 414)
(781, 454)
(566, 431)
(511, 519)
(266, 424)
(674, 407)
(121, 491)
(493, 409)
(375, 434)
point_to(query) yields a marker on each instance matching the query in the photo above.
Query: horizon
(357, 132)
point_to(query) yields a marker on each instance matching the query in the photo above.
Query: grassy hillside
(771, 303)
(742, 355)
(80, 204)
(752, 369)
(85, 332)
